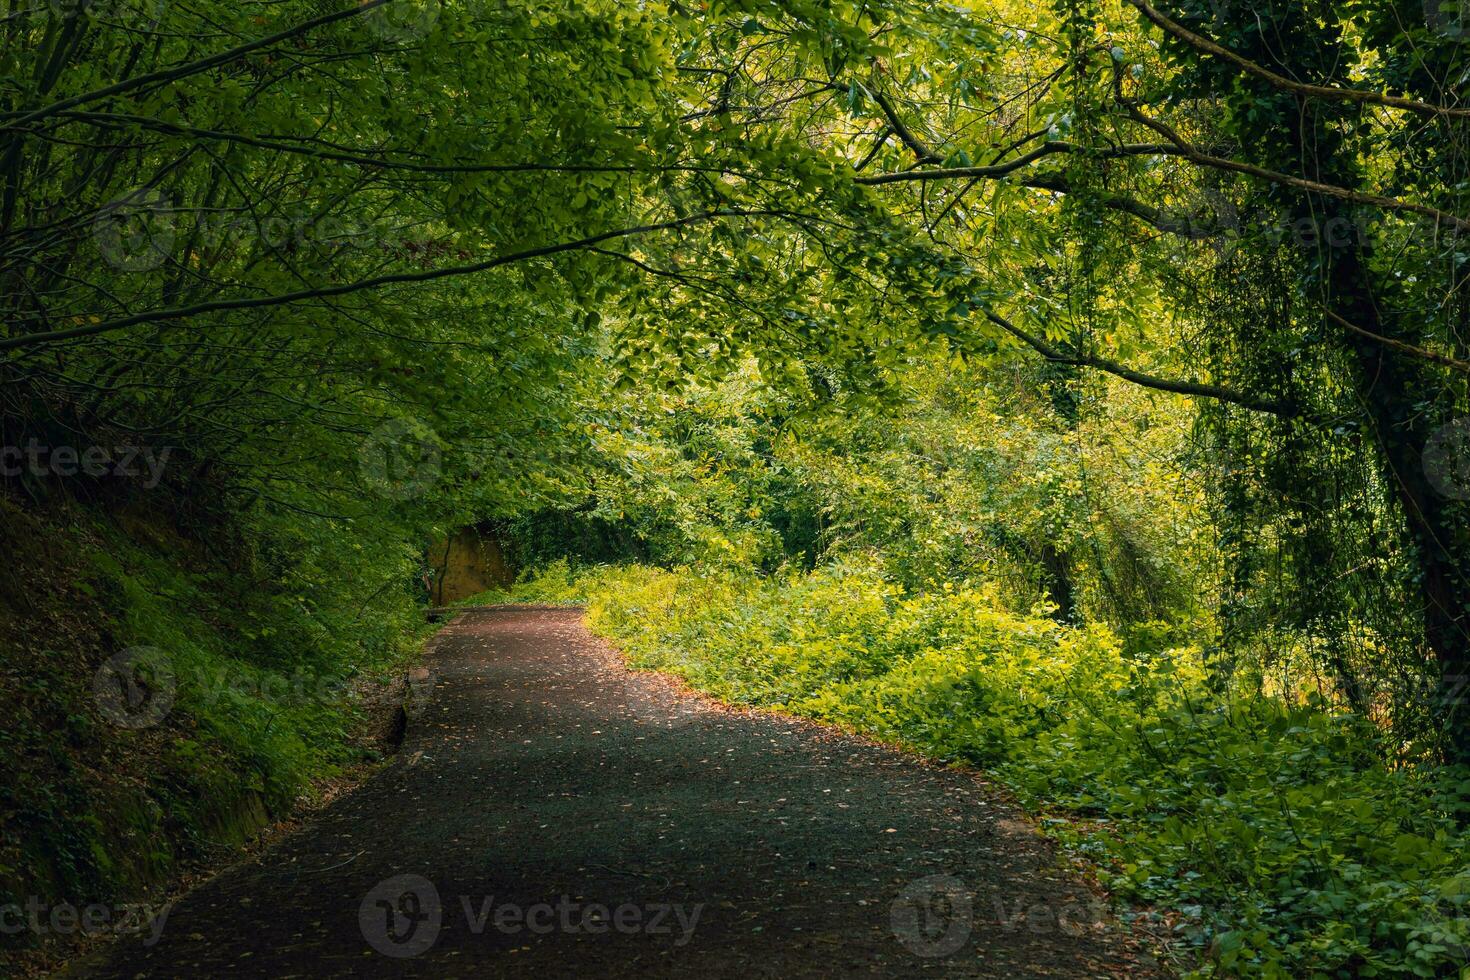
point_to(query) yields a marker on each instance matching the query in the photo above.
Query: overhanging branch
(257, 302)
(1193, 389)
(1360, 96)
(23, 119)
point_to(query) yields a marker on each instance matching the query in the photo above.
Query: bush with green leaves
(1272, 825)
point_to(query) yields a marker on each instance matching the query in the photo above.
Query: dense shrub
(1271, 825)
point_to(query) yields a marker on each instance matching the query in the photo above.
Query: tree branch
(1401, 346)
(256, 302)
(1197, 156)
(119, 120)
(1192, 388)
(1280, 81)
(1046, 149)
(189, 68)
(913, 142)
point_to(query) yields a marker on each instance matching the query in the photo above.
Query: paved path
(554, 815)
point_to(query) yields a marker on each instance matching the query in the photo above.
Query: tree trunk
(1390, 385)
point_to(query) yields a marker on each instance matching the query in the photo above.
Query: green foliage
(960, 472)
(1271, 823)
(262, 681)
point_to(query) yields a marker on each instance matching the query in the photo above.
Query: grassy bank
(163, 704)
(1271, 823)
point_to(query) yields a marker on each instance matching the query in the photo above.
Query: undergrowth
(239, 698)
(1271, 824)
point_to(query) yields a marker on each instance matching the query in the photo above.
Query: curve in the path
(554, 815)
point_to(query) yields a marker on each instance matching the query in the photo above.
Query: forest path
(553, 814)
